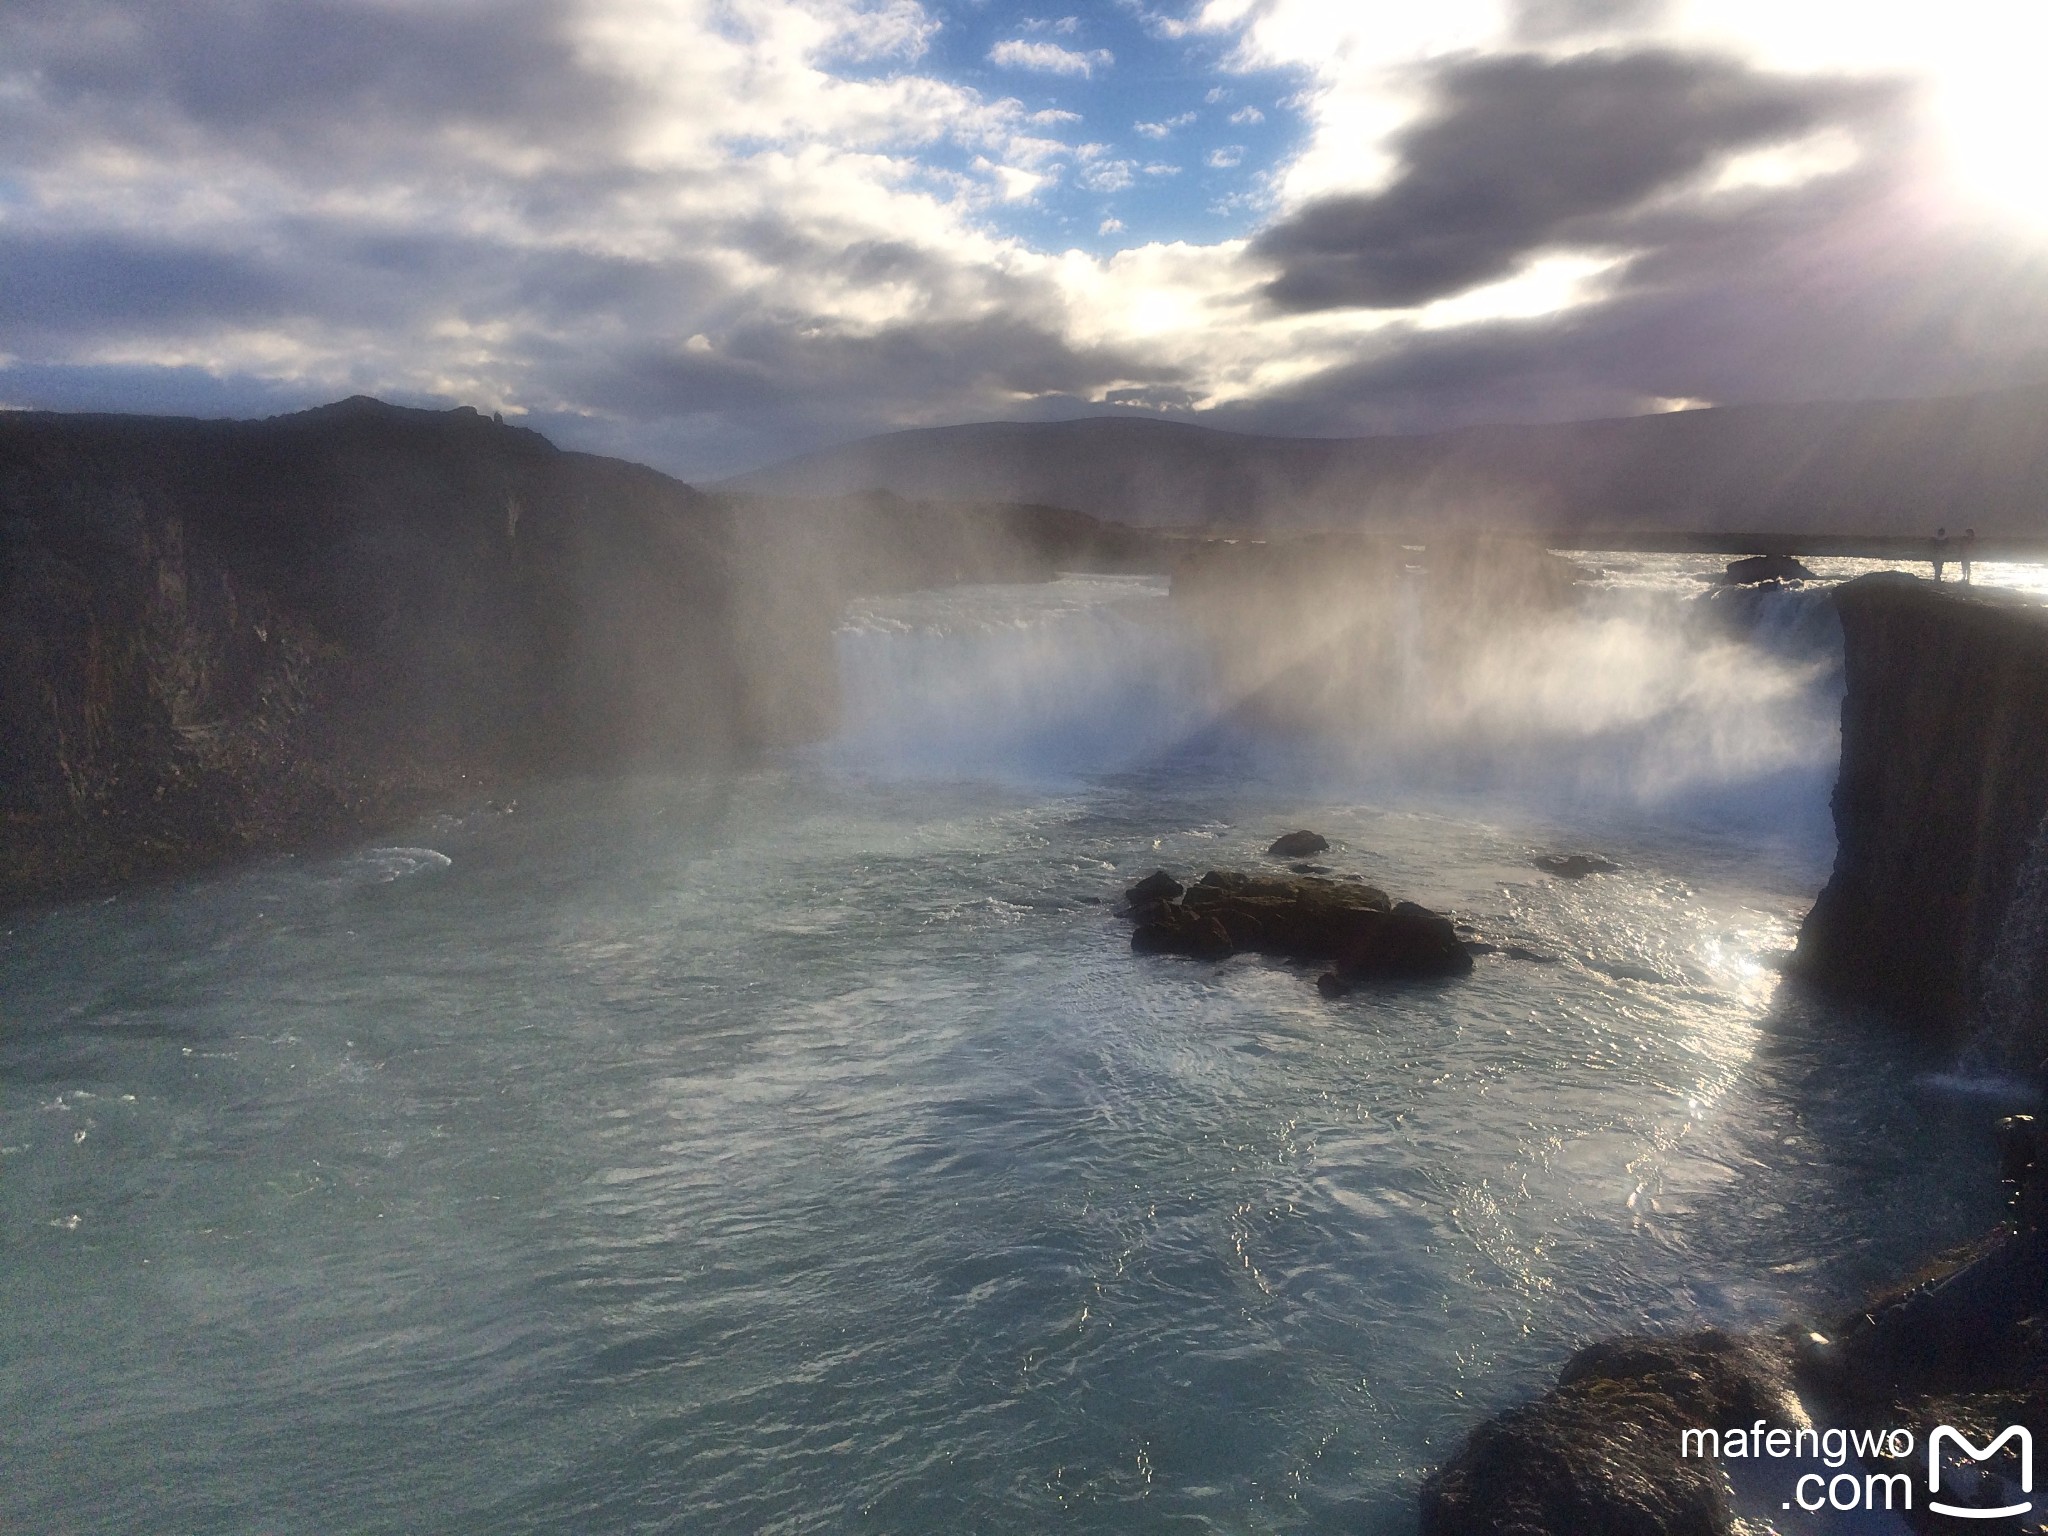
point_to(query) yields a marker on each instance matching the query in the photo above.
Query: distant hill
(1888, 466)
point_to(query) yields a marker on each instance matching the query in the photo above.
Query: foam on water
(398, 863)
(804, 1149)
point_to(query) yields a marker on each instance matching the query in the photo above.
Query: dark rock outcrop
(222, 636)
(1756, 568)
(1409, 942)
(1599, 1455)
(1348, 925)
(1298, 845)
(1157, 886)
(1574, 866)
(1938, 904)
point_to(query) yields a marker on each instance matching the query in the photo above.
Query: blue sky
(711, 233)
(1187, 143)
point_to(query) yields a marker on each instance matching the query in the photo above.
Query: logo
(1975, 1453)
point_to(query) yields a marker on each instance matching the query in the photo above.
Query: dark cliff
(1938, 812)
(220, 636)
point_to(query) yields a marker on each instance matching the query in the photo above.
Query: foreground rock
(1355, 929)
(1965, 1343)
(1599, 1455)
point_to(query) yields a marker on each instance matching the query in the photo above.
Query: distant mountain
(1886, 466)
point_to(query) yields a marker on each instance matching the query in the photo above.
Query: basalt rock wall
(219, 636)
(1939, 807)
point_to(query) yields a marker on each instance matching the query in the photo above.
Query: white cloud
(1165, 127)
(1099, 172)
(1049, 58)
(1106, 227)
(899, 29)
(1244, 115)
(1228, 157)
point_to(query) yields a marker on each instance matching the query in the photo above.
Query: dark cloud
(334, 78)
(159, 391)
(1523, 153)
(798, 364)
(72, 288)
(1856, 288)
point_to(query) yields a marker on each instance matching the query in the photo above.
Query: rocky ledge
(1356, 930)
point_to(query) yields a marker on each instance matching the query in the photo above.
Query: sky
(709, 234)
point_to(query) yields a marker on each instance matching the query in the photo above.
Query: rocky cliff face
(222, 636)
(1938, 905)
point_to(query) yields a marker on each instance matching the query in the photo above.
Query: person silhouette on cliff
(1940, 552)
(1969, 544)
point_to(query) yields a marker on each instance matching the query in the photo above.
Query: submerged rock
(1298, 845)
(1574, 866)
(1756, 568)
(1167, 928)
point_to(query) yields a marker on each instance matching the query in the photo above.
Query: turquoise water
(803, 1149)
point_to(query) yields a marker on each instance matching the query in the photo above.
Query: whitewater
(802, 1148)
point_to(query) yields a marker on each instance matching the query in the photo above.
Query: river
(803, 1149)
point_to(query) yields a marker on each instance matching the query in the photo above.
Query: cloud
(1245, 116)
(1098, 172)
(1226, 158)
(1521, 153)
(1049, 58)
(1165, 127)
(1552, 20)
(707, 236)
(70, 287)
(1856, 287)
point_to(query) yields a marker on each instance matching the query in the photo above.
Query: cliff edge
(1938, 904)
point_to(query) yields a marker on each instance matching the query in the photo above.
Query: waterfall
(1717, 707)
(1084, 674)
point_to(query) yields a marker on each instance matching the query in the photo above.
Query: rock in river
(1350, 926)
(1756, 568)
(1157, 886)
(1298, 845)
